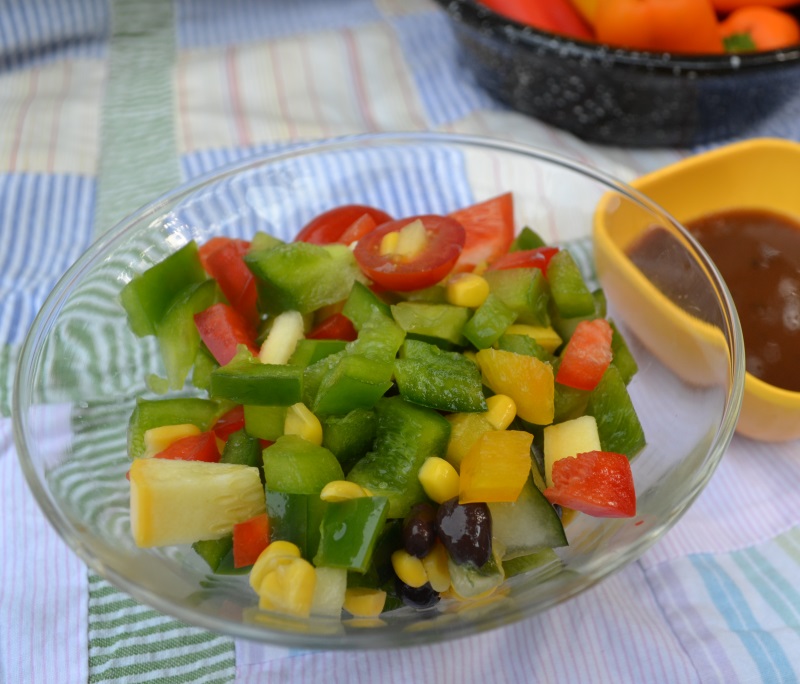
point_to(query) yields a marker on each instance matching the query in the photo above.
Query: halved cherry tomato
(528, 258)
(489, 227)
(202, 447)
(598, 483)
(222, 258)
(229, 422)
(334, 327)
(250, 538)
(331, 225)
(445, 240)
(586, 356)
(223, 329)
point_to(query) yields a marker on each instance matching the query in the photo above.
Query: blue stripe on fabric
(34, 32)
(732, 604)
(447, 89)
(209, 23)
(403, 181)
(56, 213)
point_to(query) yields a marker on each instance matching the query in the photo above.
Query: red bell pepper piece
(489, 228)
(334, 327)
(250, 538)
(222, 329)
(529, 258)
(598, 483)
(229, 422)
(223, 260)
(360, 227)
(587, 355)
(202, 447)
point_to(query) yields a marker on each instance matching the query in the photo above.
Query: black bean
(419, 530)
(416, 597)
(465, 531)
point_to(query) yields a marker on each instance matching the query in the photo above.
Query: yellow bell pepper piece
(497, 467)
(526, 379)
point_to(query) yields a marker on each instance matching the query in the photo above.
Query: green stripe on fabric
(129, 642)
(8, 365)
(139, 155)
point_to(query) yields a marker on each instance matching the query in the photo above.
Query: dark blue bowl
(621, 97)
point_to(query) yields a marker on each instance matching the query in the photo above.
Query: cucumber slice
(526, 525)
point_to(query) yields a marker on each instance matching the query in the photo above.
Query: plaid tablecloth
(105, 104)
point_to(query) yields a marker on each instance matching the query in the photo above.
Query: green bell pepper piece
(617, 423)
(295, 518)
(525, 345)
(214, 551)
(566, 326)
(570, 293)
(296, 466)
(177, 333)
(350, 436)
(308, 352)
(362, 303)
(265, 422)
(149, 295)
(355, 382)
(442, 380)
(621, 355)
(438, 323)
(243, 449)
(526, 240)
(523, 290)
(302, 277)
(349, 532)
(248, 381)
(407, 434)
(156, 413)
(489, 322)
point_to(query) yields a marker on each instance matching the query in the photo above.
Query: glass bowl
(616, 96)
(81, 370)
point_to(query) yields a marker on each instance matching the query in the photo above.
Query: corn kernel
(342, 490)
(501, 411)
(548, 338)
(389, 243)
(288, 588)
(302, 422)
(436, 567)
(364, 602)
(276, 552)
(467, 289)
(159, 438)
(409, 568)
(439, 479)
(287, 330)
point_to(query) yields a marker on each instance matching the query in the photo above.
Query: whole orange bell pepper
(758, 27)
(679, 26)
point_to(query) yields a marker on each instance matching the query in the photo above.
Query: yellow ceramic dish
(755, 174)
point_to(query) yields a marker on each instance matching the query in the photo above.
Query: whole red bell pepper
(556, 16)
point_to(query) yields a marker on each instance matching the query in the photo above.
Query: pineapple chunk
(567, 439)
(181, 502)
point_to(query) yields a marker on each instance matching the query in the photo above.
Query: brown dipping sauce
(758, 254)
